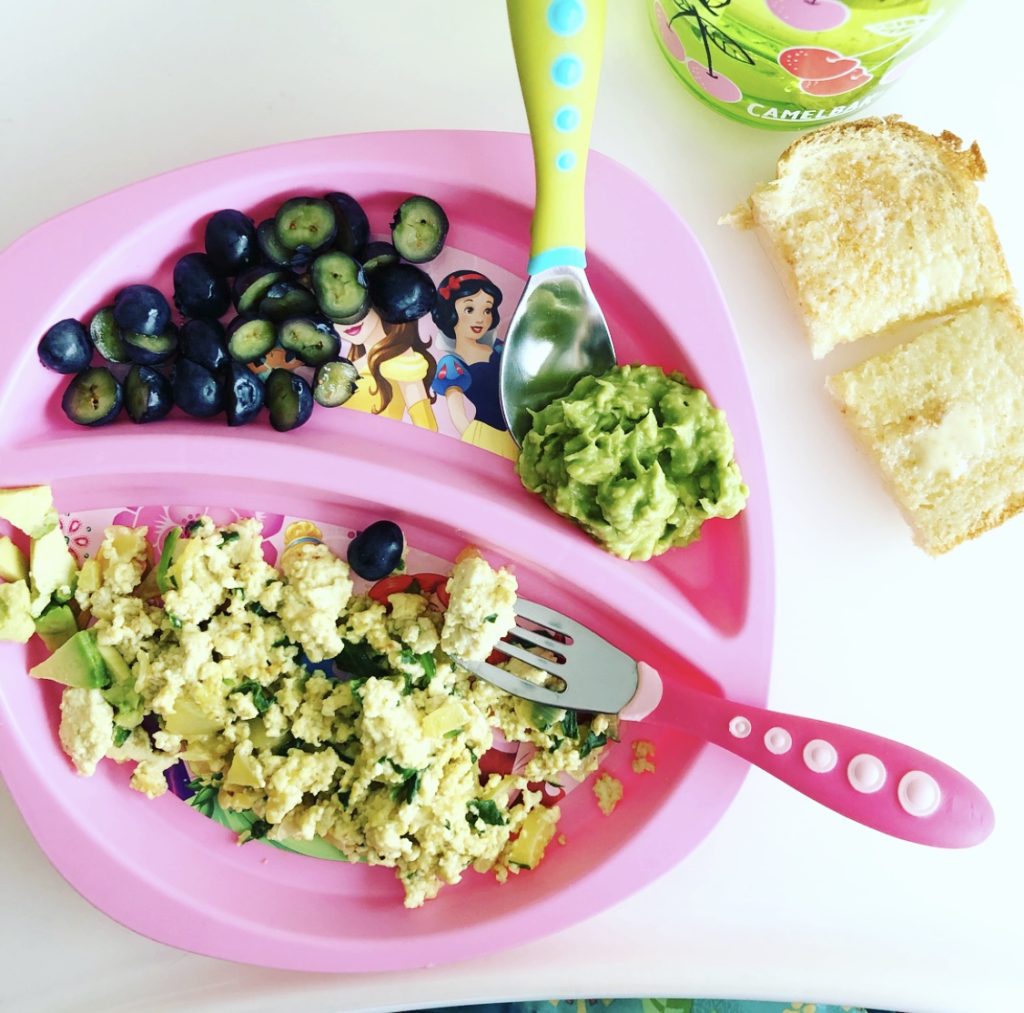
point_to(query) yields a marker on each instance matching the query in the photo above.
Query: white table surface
(783, 900)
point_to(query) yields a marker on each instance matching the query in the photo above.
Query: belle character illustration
(396, 370)
(466, 312)
(299, 534)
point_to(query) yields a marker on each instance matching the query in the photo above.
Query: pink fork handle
(875, 781)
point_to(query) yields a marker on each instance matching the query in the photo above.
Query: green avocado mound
(637, 457)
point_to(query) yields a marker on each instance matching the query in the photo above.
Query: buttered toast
(943, 415)
(875, 223)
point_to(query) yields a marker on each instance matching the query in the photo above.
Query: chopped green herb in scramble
(379, 758)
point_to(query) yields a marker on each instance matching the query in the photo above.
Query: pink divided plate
(701, 614)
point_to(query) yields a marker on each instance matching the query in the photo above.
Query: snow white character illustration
(466, 312)
(396, 370)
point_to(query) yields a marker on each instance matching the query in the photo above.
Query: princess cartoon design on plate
(466, 313)
(396, 370)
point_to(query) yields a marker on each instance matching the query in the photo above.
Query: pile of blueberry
(288, 281)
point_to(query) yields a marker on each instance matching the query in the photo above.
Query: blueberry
(419, 228)
(377, 550)
(377, 254)
(334, 383)
(147, 394)
(244, 394)
(250, 337)
(353, 225)
(297, 261)
(106, 336)
(203, 341)
(306, 222)
(286, 299)
(151, 349)
(65, 347)
(93, 398)
(141, 308)
(231, 242)
(199, 289)
(400, 292)
(313, 341)
(289, 400)
(340, 287)
(251, 287)
(196, 390)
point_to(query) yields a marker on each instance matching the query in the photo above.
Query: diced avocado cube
(77, 662)
(447, 717)
(261, 739)
(13, 564)
(121, 693)
(165, 580)
(15, 612)
(29, 509)
(538, 828)
(56, 626)
(538, 715)
(52, 569)
(244, 771)
(188, 721)
(90, 577)
(117, 667)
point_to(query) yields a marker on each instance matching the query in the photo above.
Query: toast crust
(875, 223)
(906, 400)
(965, 162)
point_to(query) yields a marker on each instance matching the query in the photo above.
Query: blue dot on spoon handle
(566, 17)
(567, 119)
(567, 71)
(565, 161)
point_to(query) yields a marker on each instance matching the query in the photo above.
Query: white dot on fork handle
(777, 740)
(820, 756)
(739, 727)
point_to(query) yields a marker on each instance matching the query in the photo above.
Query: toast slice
(944, 416)
(875, 223)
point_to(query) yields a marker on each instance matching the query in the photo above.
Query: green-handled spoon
(558, 332)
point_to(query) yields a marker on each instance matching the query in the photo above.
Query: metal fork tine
(540, 639)
(516, 686)
(543, 616)
(515, 651)
(597, 675)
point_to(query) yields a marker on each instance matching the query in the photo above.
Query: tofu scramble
(382, 761)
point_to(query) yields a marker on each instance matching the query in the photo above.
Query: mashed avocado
(637, 457)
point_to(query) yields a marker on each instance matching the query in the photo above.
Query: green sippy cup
(789, 64)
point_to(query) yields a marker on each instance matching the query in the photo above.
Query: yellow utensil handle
(558, 46)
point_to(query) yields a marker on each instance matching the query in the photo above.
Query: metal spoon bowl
(557, 335)
(558, 332)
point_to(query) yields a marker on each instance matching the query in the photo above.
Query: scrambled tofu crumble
(643, 757)
(379, 756)
(608, 791)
